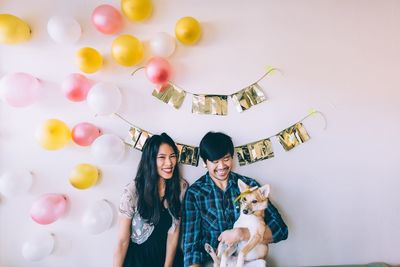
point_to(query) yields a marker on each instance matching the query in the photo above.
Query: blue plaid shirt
(208, 211)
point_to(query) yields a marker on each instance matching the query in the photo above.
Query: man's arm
(191, 234)
(277, 227)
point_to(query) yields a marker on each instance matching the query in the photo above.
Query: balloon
(188, 30)
(13, 30)
(19, 89)
(137, 10)
(127, 50)
(13, 183)
(89, 60)
(107, 19)
(98, 217)
(53, 134)
(85, 133)
(158, 70)
(104, 98)
(76, 86)
(38, 246)
(108, 148)
(162, 44)
(64, 29)
(84, 176)
(48, 208)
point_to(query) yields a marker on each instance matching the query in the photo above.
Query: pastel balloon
(127, 50)
(104, 98)
(76, 87)
(48, 208)
(188, 30)
(162, 44)
(108, 148)
(19, 89)
(53, 134)
(89, 60)
(13, 30)
(38, 247)
(98, 217)
(137, 10)
(85, 133)
(14, 183)
(84, 176)
(158, 70)
(64, 29)
(107, 19)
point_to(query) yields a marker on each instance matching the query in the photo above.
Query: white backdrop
(338, 192)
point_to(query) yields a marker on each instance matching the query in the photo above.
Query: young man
(209, 209)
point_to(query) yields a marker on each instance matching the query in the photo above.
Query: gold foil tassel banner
(188, 155)
(248, 97)
(293, 136)
(172, 95)
(137, 137)
(210, 104)
(254, 152)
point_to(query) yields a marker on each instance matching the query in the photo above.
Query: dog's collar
(246, 192)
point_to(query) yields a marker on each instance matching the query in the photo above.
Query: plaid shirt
(208, 211)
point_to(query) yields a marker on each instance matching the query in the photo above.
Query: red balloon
(76, 87)
(85, 133)
(107, 19)
(158, 70)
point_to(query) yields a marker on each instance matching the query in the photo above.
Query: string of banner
(207, 104)
(289, 138)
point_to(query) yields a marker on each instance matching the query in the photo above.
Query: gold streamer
(254, 152)
(210, 104)
(293, 136)
(137, 138)
(172, 95)
(248, 97)
(188, 154)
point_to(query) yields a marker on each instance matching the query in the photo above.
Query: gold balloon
(84, 176)
(127, 50)
(137, 10)
(53, 134)
(188, 30)
(89, 60)
(13, 30)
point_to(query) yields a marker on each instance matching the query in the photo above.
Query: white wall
(338, 192)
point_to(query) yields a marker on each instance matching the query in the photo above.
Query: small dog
(253, 202)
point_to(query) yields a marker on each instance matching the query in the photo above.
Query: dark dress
(152, 252)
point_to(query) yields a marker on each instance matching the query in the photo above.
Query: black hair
(215, 145)
(146, 181)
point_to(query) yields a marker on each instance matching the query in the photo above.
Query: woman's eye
(254, 201)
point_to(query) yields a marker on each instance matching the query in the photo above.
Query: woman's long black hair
(146, 181)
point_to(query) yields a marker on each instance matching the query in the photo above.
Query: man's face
(219, 169)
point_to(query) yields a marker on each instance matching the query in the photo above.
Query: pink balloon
(48, 208)
(76, 87)
(158, 70)
(19, 89)
(107, 19)
(85, 133)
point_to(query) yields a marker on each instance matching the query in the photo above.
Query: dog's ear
(242, 186)
(265, 190)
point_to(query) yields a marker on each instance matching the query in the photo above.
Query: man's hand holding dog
(233, 236)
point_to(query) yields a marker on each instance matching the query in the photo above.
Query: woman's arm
(124, 233)
(172, 243)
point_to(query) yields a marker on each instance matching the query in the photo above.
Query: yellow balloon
(13, 30)
(84, 176)
(188, 30)
(137, 10)
(127, 50)
(53, 134)
(89, 60)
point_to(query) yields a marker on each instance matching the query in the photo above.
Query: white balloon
(38, 246)
(98, 217)
(64, 29)
(108, 148)
(13, 183)
(162, 44)
(104, 98)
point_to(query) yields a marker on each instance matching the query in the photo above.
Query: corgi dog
(253, 202)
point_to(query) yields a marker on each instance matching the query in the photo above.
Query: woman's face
(166, 161)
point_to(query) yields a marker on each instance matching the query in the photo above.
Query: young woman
(150, 209)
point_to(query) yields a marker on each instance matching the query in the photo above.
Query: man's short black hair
(215, 145)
